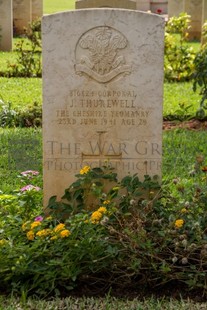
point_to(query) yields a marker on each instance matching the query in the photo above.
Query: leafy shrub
(200, 74)
(125, 233)
(179, 56)
(29, 116)
(7, 115)
(28, 63)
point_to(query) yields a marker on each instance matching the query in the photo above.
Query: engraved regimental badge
(99, 54)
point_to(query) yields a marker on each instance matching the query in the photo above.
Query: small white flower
(197, 224)
(132, 202)
(184, 242)
(184, 260)
(104, 220)
(174, 259)
(192, 246)
(187, 204)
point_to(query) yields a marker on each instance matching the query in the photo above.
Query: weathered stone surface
(37, 9)
(175, 7)
(102, 94)
(125, 4)
(159, 6)
(204, 15)
(143, 5)
(22, 14)
(6, 25)
(194, 9)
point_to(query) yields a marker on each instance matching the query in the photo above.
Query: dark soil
(193, 124)
(174, 289)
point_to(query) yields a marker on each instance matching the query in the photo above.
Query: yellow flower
(53, 238)
(184, 210)
(96, 216)
(116, 188)
(25, 226)
(106, 202)
(43, 232)
(30, 235)
(102, 210)
(85, 170)
(2, 242)
(179, 223)
(35, 224)
(59, 227)
(65, 233)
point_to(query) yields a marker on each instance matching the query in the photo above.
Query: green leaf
(78, 193)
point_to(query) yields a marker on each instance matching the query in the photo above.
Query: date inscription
(102, 108)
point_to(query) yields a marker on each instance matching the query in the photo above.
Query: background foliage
(179, 56)
(184, 104)
(127, 233)
(141, 240)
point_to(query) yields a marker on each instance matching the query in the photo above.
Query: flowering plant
(110, 232)
(179, 57)
(99, 186)
(30, 196)
(159, 11)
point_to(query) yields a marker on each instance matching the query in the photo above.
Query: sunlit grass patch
(21, 92)
(54, 6)
(180, 101)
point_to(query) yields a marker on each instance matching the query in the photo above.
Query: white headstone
(22, 14)
(197, 11)
(175, 7)
(6, 25)
(194, 9)
(159, 6)
(37, 9)
(102, 94)
(204, 15)
(143, 5)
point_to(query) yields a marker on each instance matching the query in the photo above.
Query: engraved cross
(101, 156)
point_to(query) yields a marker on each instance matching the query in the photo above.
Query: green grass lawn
(20, 150)
(21, 92)
(179, 98)
(53, 6)
(180, 148)
(108, 303)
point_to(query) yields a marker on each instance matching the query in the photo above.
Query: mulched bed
(174, 290)
(192, 124)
